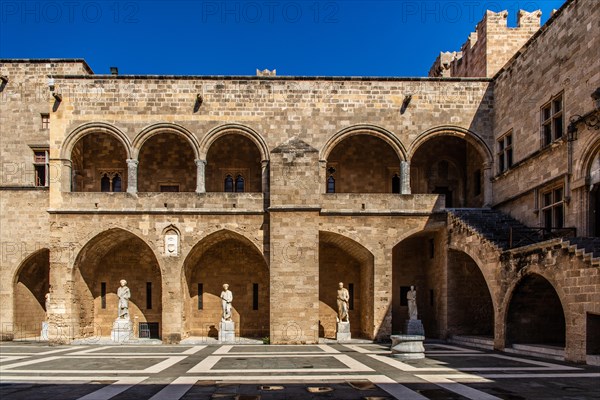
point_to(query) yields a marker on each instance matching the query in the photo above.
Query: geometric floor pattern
(252, 372)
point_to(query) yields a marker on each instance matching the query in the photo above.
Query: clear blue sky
(297, 37)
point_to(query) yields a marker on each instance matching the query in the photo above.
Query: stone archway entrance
(106, 259)
(535, 314)
(29, 290)
(343, 260)
(226, 257)
(470, 306)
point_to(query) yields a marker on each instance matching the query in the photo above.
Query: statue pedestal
(414, 327)
(408, 347)
(122, 330)
(343, 332)
(227, 332)
(44, 333)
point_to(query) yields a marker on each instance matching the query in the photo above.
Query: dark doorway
(446, 192)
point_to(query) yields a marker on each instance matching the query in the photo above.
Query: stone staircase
(506, 232)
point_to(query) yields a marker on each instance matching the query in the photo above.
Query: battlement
(488, 48)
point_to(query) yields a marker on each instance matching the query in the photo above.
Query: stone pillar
(132, 166)
(380, 324)
(265, 176)
(404, 177)
(172, 304)
(200, 176)
(487, 185)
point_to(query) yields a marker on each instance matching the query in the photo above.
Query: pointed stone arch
(156, 129)
(342, 259)
(228, 129)
(93, 127)
(457, 131)
(105, 259)
(364, 129)
(31, 282)
(220, 257)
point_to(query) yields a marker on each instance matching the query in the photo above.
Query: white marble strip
(29, 362)
(176, 389)
(92, 350)
(457, 388)
(55, 351)
(164, 364)
(13, 358)
(395, 389)
(546, 376)
(110, 391)
(205, 365)
(223, 350)
(78, 379)
(405, 367)
(534, 362)
(362, 350)
(193, 350)
(327, 349)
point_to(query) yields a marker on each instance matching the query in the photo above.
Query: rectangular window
(200, 295)
(553, 208)
(255, 296)
(41, 165)
(505, 155)
(552, 121)
(169, 188)
(148, 295)
(351, 295)
(103, 294)
(45, 121)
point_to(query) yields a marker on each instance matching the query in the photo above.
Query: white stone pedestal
(227, 332)
(122, 330)
(44, 333)
(408, 347)
(414, 327)
(343, 332)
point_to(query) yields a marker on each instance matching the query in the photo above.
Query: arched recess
(417, 261)
(30, 285)
(98, 153)
(233, 158)
(103, 261)
(341, 259)
(535, 313)
(589, 170)
(167, 155)
(452, 161)
(470, 305)
(227, 129)
(363, 159)
(225, 257)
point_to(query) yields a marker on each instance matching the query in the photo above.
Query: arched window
(229, 184)
(239, 184)
(116, 183)
(395, 184)
(331, 184)
(105, 183)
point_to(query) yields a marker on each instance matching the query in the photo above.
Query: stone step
(480, 342)
(538, 350)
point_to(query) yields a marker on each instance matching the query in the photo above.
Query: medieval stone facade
(284, 186)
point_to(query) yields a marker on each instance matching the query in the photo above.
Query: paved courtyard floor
(247, 372)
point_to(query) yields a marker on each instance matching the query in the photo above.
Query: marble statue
(47, 298)
(226, 299)
(342, 302)
(411, 296)
(124, 294)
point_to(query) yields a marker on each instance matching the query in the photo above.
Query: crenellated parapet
(488, 48)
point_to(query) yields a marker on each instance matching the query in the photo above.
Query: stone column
(487, 185)
(200, 176)
(132, 167)
(265, 176)
(404, 177)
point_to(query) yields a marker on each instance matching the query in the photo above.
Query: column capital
(199, 162)
(132, 162)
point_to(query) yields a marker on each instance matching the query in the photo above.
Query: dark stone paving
(119, 373)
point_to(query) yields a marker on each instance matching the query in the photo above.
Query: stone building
(479, 185)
